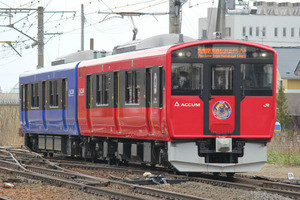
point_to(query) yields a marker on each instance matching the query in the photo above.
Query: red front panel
(186, 119)
(222, 114)
(257, 117)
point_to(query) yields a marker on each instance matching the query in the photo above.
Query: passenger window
(35, 95)
(102, 87)
(132, 87)
(257, 79)
(25, 99)
(99, 89)
(53, 93)
(64, 93)
(22, 96)
(88, 91)
(187, 78)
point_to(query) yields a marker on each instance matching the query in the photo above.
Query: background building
(272, 24)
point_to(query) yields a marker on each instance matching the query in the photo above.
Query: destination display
(222, 52)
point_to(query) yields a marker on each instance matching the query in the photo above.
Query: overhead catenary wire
(65, 24)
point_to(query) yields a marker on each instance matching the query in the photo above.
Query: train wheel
(175, 171)
(230, 175)
(118, 162)
(111, 161)
(217, 174)
(125, 163)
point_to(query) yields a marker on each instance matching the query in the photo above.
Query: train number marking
(71, 92)
(81, 92)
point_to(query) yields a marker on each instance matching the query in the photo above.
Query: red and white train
(202, 106)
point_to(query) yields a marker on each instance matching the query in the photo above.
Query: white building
(273, 24)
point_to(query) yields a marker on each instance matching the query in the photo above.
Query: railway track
(70, 179)
(287, 190)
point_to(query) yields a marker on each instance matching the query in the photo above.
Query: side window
(53, 93)
(34, 95)
(22, 97)
(25, 99)
(187, 78)
(88, 91)
(102, 87)
(132, 87)
(43, 95)
(106, 84)
(99, 89)
(64, 93)
(257, 79)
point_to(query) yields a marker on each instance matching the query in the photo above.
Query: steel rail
(62, 178)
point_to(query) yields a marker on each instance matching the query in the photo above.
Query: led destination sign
(221, 52)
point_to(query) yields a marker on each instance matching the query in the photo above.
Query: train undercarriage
(181, 156)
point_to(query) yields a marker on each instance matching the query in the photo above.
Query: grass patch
(281, 158)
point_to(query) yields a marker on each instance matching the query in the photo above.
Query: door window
(221, 80)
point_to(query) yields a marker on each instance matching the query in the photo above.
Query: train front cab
(221, 109)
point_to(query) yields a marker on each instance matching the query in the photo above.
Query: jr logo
(267, 105)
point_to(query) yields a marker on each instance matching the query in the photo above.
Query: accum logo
(186, 104)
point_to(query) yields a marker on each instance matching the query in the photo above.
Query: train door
(154, 99)
(44, 104)
(117, 101)
(89, 99)
(64, 102)
(25, 103)
(222, 109)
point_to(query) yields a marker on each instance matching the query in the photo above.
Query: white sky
(114, 31)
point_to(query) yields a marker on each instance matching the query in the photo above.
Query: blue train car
(48, 106)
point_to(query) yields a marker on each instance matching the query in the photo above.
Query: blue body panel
(52, 121)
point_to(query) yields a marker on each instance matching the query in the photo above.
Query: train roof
(57, 68)
(134, 55)
(163, 50)
(126, 56)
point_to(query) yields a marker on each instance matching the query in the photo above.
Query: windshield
(187, 78)
(257, 79)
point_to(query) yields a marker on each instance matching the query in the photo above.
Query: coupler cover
(223, 144)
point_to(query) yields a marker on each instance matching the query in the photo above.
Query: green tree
(282, 113)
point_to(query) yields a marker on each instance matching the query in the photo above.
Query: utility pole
(82, 27)
(40, 33)
(220, 25)
(175, 15)
(40, 37)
